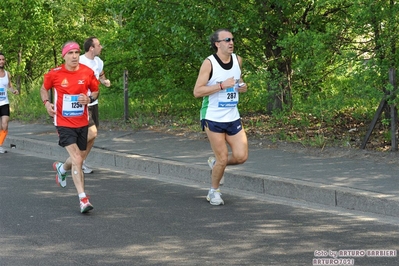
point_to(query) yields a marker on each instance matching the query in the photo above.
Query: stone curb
(330, 196)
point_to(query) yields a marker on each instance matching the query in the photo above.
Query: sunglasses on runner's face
(226, 40)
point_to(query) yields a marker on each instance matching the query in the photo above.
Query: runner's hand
(83, 99)
(105, 82)
(50, 109)
(242, 88)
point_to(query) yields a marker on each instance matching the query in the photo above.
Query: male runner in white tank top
(5, 85)
(220, 82)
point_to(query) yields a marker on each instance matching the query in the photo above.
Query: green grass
(314, 121)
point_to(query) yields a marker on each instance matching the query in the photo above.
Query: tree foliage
(298, 54)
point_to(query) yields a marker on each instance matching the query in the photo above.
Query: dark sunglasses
(226, 40)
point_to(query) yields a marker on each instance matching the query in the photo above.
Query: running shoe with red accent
(85, 205)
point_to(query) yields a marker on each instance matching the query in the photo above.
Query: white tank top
(4, 81)
(222, 106)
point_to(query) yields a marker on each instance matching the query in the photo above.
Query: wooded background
(319, 58)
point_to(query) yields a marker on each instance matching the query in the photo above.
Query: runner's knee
(92, 133)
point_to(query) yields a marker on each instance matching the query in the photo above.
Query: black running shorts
(68, 136)
(93, 116)
(5, 110)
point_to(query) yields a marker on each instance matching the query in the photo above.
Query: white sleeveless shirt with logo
(4, 81)
(222, 106)
(96, 65)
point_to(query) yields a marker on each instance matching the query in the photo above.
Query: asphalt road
(155, 220)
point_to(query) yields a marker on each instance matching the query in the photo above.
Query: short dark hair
(89, 43)
(215, 37)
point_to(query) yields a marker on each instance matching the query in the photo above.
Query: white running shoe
(214, 197)
(211, 163)
(85, 205)
(2, 150)
(60, 178)
(86, 169)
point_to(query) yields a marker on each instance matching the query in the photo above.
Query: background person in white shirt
(90, 58)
